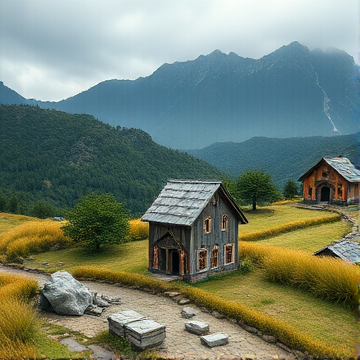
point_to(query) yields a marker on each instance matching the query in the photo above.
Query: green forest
(49, 159)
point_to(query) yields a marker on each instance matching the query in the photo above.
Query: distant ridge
(284, 159)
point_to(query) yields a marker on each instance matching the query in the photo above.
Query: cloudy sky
(54, 49)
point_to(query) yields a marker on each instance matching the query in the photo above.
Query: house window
(310, 191)
(214, 257)
(202, 259)
(207, 225)
(229, 253)
(224, 223)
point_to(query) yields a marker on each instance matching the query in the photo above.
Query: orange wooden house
(333, 181)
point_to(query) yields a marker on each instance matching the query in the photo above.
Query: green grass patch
(270, 217)
(311, 238)
(125, 348)
(288, 227)
(131, 257)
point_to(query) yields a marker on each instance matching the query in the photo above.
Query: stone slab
(188, 312)
(197, 327)
(73, 345)
(145, 333)
(212, 340)
(119, 320)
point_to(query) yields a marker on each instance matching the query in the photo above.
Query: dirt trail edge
(178, 344)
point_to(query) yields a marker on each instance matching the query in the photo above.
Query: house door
(162, 259)
(175, 262)
(325, 194)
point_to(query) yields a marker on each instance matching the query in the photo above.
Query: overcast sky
(54, 49)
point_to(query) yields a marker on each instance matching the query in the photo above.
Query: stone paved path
(178, 344)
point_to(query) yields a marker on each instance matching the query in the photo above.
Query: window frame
(216, 250)
(205, 257)
(224, 223)
(232, 245)
(207, 225)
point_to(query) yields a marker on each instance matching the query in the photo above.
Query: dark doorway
(175, 262)
(162, 260)
(325, 194)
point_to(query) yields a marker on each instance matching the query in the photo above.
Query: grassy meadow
(332, 323)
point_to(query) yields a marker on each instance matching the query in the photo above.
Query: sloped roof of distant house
(344, 249)
(181, 202)
(340, 164)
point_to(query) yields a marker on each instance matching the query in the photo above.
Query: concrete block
(197, 327)
(119, 320)
(188, 312)
(212, 340)
(145, 333)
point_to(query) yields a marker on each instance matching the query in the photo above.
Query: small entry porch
(168, 257)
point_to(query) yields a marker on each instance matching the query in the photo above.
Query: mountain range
(284, 159)
(291, 92)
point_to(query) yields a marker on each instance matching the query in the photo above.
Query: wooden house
(193, 229)
(333, 181)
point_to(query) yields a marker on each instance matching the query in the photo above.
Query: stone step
(212, 340)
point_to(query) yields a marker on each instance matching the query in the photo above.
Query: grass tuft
(139, 230)
(124, 278)
(32, 237)
(19, 324)
(327, 278)
(287, 227)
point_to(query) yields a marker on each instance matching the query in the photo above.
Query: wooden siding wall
(199, 239)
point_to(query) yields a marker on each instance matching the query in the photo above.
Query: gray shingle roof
(345, 250)
(181, 202)
(345, 168)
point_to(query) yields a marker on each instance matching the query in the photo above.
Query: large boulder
(66, 295)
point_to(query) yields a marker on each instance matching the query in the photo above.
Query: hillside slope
(52, 155)
(284, 159)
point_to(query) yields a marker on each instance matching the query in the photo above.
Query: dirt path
(178, 344)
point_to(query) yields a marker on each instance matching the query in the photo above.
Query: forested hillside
(57, 157)
(284, 159)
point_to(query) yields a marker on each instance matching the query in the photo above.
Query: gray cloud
(51, 50)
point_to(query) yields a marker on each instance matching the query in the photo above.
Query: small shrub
(139, 230)
(245, 266)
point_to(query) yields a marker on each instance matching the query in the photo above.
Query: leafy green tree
(255, 187)
(42, 209)
(97, 219)
(14, 205)
(290, 190)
